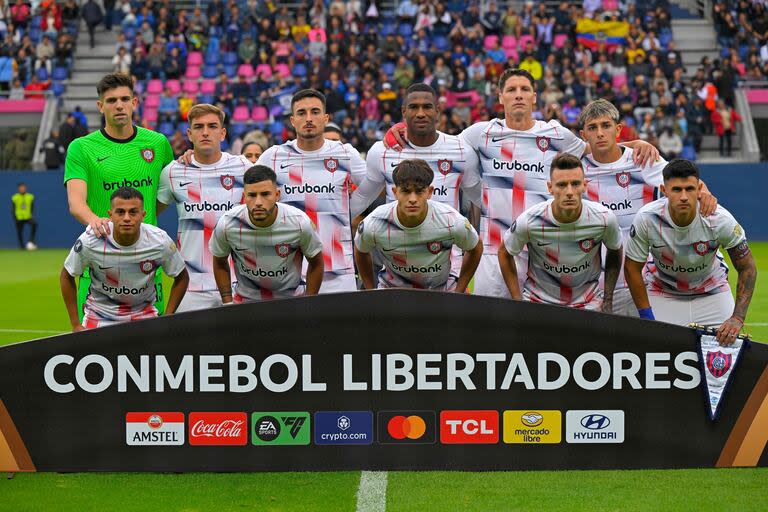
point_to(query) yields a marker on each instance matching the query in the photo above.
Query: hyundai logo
(595, 422)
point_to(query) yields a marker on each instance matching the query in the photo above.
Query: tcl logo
(218, 428)
(469, 427)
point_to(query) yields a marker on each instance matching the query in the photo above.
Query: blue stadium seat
(405, 30)
(35, 34)
(231, 71)
(210, 71)
(238, 129)
(388, 68)
(230, 59)
(299, 70)
(225, 145)
(205, 98)
(182, 127)
(441, 43)
(60, 73)
(130, 33)
(387, 28)
(42, 74)
(57, 88)
(689, 153)
(211, 58)
(167, 128)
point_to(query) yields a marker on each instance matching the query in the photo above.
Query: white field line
(46, 331)
(372, 493)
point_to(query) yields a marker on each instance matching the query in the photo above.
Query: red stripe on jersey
(338, 249)
(518, 194)
(91, 323)
(494, 233)
(667, 256)
(566, 294)
(310, 208)
(593, 190)
(552, 254)
(266, 293)
(648, 192)
(400, 259)
(124, 310)
(194, 192)
(681, 285)
(209, 222)
(508, 149)
(237, 299)
(295, 175)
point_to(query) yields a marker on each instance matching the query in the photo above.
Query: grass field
(31, 308)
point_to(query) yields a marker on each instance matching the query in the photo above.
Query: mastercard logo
(410, 427)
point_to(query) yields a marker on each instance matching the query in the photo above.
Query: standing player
(267, 241)
(688, 281)
(620, 184)
(315, 175)
(564, 235)
(118, 155)
(203, 191)
(123, 264)
(414, 236)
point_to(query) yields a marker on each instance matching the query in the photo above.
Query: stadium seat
(265, 70)
(212, 59)
(35, 34)
(191, 87)
(225, 145)
(42, 73)
(208, 86)
(60, 73)
(524, 40)
(237, 129)
(182, 127)
(130, 33)
(276, 128)
(300, 70)
(150, 115)
(259, 114)
(230, 70)
(276, 111)
(245, 70)
(167, 128)
(618, 81)
(509, 41)
(210, 71)
(205, 98)
(230, 59)
(282, 70)
(490, 41)
(58, 89)
(174, 86)
(441, 43)
(405, 30)
(195, 59)
(193, 73)
(559, 40)
(388, 68)
(241, 114)
(155, 87)
(152, 101)
(387, 29)
(511, 53)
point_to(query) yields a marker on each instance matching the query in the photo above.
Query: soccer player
(123, 263)
(252, 151)
(118, 155)
(619, 183)
(314, 175)
(688, 280)
(267, 240)
(203, 191)
(414, 236)
(515, 155)
(564, 235)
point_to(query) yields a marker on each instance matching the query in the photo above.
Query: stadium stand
(658, 62)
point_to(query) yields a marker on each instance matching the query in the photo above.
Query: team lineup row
(525, 207)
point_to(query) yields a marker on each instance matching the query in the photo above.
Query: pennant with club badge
(718, 366)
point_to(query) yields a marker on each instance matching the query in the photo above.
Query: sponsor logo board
(154, 428)
(218, 428)
(531, 426)
(343, 427)
(280, 428)
(469, 427)
(407, 427)
(594, 426)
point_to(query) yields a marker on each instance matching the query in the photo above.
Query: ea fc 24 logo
(407, 427)
(469, 427)
(532, 427)
(280, 428)
(154, 428)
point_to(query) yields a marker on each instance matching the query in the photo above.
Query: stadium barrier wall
(737, 186)
(378, 380)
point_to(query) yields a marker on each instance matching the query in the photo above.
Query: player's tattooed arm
(744, 262)
(179, 288)
(633, 273)
(69, 294)
(223, 278)
(612, 268)
(315, 271)
(509, 272)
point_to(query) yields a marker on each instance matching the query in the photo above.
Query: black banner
(380, 380)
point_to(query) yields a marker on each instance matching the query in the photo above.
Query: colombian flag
(594, 34)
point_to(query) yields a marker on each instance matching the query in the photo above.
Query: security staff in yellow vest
(23, 205)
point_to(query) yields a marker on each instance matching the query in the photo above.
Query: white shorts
(338, 283)
(488, 279)
(708, 310)
(95, 321)
(623, 303)
(193, 301)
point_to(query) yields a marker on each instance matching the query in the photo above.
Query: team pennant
(718, 365)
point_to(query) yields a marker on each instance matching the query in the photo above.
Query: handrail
(750, 147)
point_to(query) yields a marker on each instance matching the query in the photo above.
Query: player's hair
(565, 161)
(680, 168)
(242, 151)
(202, 109)
(307, 93)
(113, 81)
(259, 173)
(515, 72)
(126, 193)
(420, 88)
(414, 172)
(597, 109)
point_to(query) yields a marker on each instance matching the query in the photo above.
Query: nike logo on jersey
(659, 246)
(541, 244)
(394, 164)
(184, 184)
(105, 268)
(239, 249)
(494, 139)
(101, 158)
(283, 166)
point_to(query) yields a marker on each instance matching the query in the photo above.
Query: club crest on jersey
(542, 143)
(444, 166)
(586, 245)
(147, 266)
(148, 155)
(623, 179)
(718, 363)
(283, 250)
(331, 164)
(701, 248)
(434, 247)
(227, 181)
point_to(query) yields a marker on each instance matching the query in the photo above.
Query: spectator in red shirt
(35, 88)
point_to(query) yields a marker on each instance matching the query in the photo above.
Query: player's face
(601, 133)
(117, 105)
(567, 187)
(127, 215)
(420, 112)
(412, 200)
(252, 152)
(206, 133)
(682, 193)
(261, 199)
(309, 118)
(518, 97)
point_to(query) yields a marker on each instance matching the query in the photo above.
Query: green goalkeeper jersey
(107, 164)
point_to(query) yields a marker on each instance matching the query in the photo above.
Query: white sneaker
(31, 246)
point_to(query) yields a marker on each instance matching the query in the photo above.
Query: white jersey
(515, 169)
(455, 167)
(563, 259)
(685, 259)
(267, 260)
(417, 257)
(202, 193)
(123, 278)
(318, 183)
(623, 188)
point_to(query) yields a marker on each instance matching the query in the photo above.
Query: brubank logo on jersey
(124, 290)
(623, 205)
(514, 165)
(413, 269)
(205, 206)
(261, 273)
(114, 185)
(308, 188)
(565, 269)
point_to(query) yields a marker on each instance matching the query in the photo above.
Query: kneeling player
(122, 265)
(267, 241)
(688, 280)
(564, 236)
(415, 235)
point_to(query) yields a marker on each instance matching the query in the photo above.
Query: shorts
(267, 295)
(338, 283)
(193, 301)
(95, 321)
(623, 303)
(488, 279)
(84, 288)
(708, 310)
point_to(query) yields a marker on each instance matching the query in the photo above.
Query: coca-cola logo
(218, 428)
